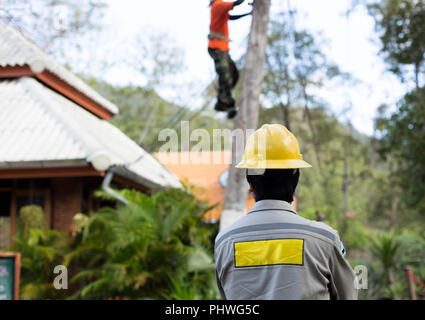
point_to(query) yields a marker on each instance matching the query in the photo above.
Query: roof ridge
(16, 33)
(42, 61)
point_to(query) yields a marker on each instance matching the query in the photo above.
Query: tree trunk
(390, 276)
(345, 183)
(394, 199)
(417, 67)
(286, 119)
(237, 188)
(394, 206)
(310, 124)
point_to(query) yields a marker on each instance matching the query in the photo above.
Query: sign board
(10, 268)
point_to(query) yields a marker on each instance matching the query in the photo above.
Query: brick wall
(66, 198)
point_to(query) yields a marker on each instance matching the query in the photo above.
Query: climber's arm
(236, 17)
(237, 2)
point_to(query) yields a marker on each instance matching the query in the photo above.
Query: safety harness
(218, 36)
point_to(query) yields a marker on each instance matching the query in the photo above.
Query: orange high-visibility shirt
(219, 18)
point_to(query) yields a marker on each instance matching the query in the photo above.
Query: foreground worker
(218, 49)
(272, 253)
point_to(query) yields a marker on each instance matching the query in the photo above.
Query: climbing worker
(218, 49)
(272, 253)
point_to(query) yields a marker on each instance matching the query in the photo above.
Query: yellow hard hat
(272, 147)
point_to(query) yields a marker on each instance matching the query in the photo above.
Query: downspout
(107, 188)
(101, 161)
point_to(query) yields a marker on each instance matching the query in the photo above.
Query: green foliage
(308, 213)
(31, 217)
(400, 142)
(394, 251)
(412, 249)
(143, 114)
(156, 247)
(355, 235)
(41, 251)
(386, 247)
(401, 24)
(396, 291)
(294, 60)
(403, 141)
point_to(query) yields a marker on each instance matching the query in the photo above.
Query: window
(39, 197)
(5, 204)
(5, 201)
(16, 194)
(22, 201)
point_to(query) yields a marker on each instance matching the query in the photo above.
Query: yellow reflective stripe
(269, 252)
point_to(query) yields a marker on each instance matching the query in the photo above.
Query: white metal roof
(16, 50)
(39, 125)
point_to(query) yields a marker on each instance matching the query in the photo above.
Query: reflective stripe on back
(276, 226)
(269, 252)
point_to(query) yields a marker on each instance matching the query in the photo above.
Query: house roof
(17, 51)
(41, 127)
(202, 170)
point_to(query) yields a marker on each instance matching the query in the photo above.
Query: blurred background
(346, 77)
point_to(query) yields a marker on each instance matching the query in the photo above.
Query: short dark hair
(276, 184)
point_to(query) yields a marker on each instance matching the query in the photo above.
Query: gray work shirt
(272, 253)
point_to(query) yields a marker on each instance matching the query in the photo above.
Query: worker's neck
(278, 199)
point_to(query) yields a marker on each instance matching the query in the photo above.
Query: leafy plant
(31, 217)
(386, 249)
(401, 25)
(155, 247)
(41, 251)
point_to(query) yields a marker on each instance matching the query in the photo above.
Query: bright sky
(350, 46)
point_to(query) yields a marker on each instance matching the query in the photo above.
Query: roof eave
(32, 172)
(34, 164)
(70, 168)
(130, 175)
(60, 86)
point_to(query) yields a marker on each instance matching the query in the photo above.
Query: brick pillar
(66, 194)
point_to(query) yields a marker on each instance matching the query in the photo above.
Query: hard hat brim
(274, 164)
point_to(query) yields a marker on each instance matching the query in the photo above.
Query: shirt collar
(278, 205)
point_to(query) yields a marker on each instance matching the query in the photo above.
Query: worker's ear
(250, 188)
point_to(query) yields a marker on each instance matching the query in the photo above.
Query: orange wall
(203, 179)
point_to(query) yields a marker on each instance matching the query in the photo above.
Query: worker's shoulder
(241, 223)
(330, 235)
(325, 227)
(325, 231)
(222, 5)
